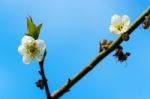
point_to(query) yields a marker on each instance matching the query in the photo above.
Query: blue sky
(72, 30)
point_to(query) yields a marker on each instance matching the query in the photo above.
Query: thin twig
(72, 81)
(42, 73)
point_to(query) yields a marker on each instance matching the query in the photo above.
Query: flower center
(32, 50)
(119, 26)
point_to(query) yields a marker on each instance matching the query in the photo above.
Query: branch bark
(72, 81)
(42, 73)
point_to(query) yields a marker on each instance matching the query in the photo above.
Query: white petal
(27, 40)
(39, 57)
(114, 30)
(116, 19)
(125, 20)
(22, 50)
(40, 44)
(27, 59)
(124, 29)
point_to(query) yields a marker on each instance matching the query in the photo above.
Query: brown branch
(42, 73)
(72, 81)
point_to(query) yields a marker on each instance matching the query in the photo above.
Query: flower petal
(27, 59)
(27, 39)
(40, 44)
(124, 29)
(116, 19)
(114, 30)
(125, 20)
(39, 57)
(22, 50)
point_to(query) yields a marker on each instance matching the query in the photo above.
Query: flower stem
(42, 73)
(72, 81)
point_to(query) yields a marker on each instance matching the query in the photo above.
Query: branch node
(125, 36)
(40, 73)
(100, 47)
(69, 80)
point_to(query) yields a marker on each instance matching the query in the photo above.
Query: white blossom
(31, 49)
(119, 24)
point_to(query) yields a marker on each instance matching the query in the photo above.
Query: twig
(72, 81)
(42, 73)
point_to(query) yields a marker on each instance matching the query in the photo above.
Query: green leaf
(32, 29)
(37, 32)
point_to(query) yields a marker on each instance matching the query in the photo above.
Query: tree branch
(72, 81)
(42, 73)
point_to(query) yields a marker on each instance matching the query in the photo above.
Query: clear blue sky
(72, 30)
